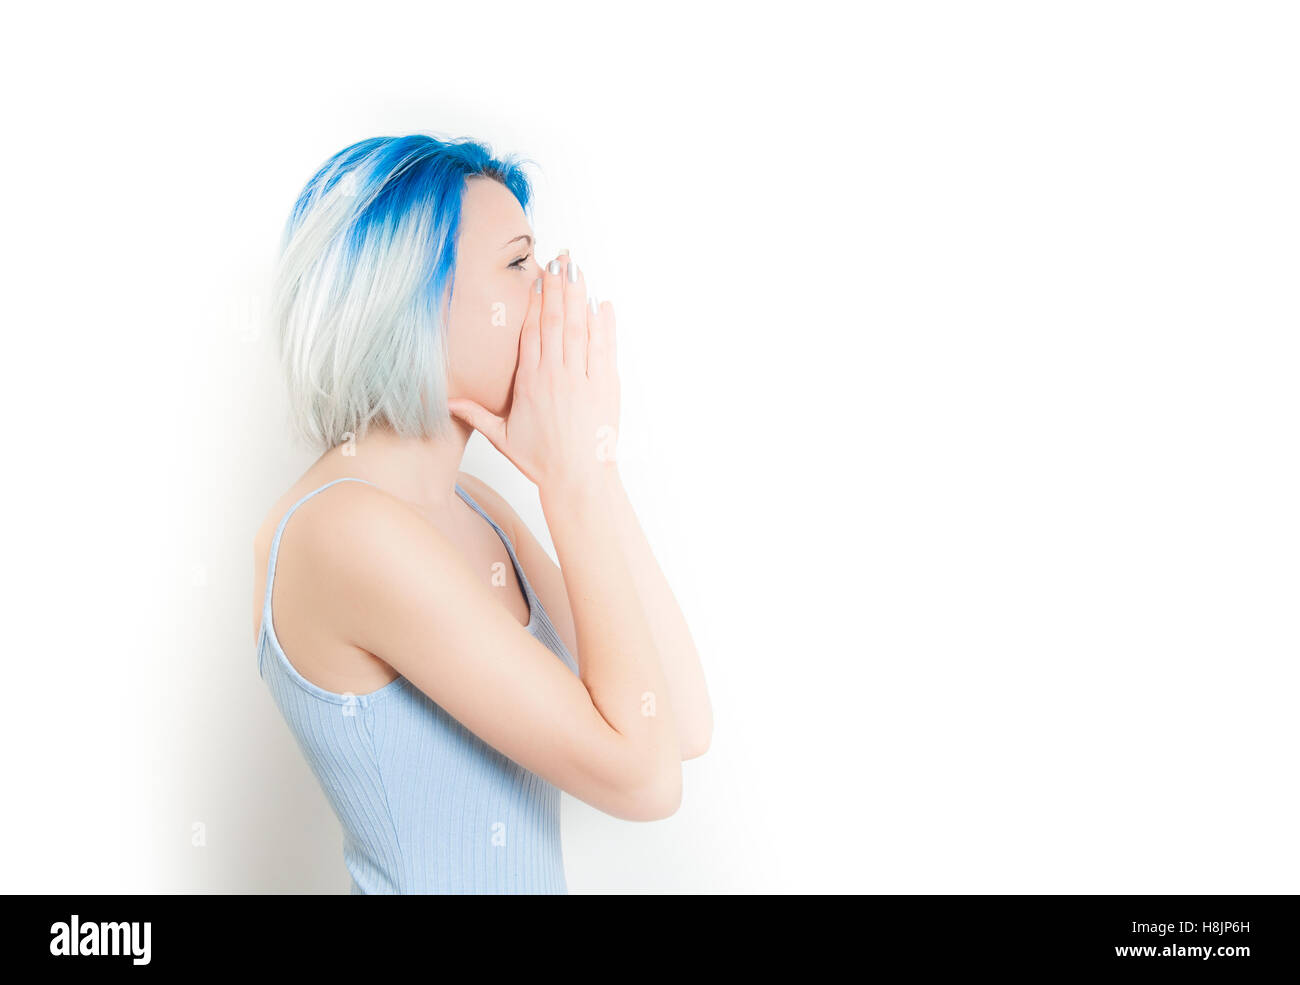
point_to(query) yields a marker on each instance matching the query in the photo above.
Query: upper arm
(388, 581)
(543, 573)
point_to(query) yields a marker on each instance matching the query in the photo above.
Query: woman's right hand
(562, 425)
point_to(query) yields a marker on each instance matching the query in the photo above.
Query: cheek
(516, 309)
(485, 338)
(498, 341)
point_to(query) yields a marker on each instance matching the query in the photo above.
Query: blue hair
(366, 272)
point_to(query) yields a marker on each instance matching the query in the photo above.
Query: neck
(421, 471)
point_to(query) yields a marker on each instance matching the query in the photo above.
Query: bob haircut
(364, 280)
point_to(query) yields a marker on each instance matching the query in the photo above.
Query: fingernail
(537, 286)
(573, 272)
(553, 267)
(564, 252)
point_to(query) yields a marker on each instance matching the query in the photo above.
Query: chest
(483, 549)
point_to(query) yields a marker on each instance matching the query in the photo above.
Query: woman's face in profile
(495, 269)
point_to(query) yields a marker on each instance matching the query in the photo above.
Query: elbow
(657, 798)
(695, 741)
(666, 799)
(696, 747)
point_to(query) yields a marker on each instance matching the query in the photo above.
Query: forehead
(490, 214)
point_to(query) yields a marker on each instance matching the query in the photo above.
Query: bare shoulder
(493, 502)
(323, 510)
(349, 526)
(322, 529)
(331, 526)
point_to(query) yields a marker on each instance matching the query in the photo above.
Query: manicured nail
(553, 267)
(573, 272)
(537, 286)
(564, 252)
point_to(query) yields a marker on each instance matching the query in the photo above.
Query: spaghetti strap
(275, 544)
(533, 602)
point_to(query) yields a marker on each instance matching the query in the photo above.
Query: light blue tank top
(426, 806)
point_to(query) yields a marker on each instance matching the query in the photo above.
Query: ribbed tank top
(426, 806)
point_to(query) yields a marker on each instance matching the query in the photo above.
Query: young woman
(444, 679)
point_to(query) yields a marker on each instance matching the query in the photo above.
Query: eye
(518, 264)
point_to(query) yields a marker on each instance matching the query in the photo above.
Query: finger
(575, 317)
(552, 315)
(530, 336)
(481, 420)
(597, 340)
(606, 345)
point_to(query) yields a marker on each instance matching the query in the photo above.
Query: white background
(959, 347)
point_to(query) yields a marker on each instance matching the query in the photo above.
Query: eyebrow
(518, 238)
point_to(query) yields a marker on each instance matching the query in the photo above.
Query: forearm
(692, 709)
(620, 667)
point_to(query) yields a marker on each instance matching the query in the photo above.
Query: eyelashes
(516, 264)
